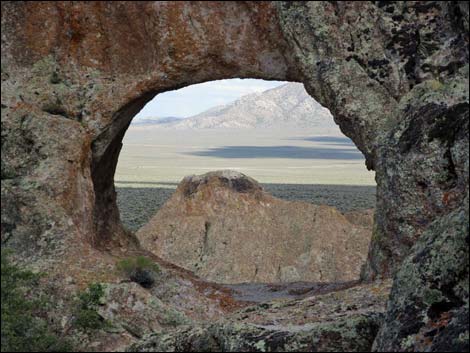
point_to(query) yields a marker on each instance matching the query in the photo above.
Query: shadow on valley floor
(138, 204)
(295, 152)
(328, 140)
(164, 183)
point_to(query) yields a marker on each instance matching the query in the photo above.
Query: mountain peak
(285, 106)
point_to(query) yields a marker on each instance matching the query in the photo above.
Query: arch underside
(394, 76)
(97, 64)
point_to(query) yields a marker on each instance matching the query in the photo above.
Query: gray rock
(393, 74)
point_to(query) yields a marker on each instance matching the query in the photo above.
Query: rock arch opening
(394, 74)
(225, 226)
(75, 72)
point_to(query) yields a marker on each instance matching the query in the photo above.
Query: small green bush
(22, 329)
(139, 269)
(137, 263)
(92, 296)
(86, 314)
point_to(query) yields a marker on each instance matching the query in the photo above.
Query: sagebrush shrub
(22, 329)
(139, 269)
(86, 313)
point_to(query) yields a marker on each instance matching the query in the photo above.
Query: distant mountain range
(159, 121)
(286, 106)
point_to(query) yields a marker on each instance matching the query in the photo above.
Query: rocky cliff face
(393, 74)
(226, 229)
(407, 63)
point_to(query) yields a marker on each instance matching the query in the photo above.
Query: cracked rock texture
(393, 74)
(225, 228)
(344, 321)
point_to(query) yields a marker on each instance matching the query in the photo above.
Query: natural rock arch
(394, 75)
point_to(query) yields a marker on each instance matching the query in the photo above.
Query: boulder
(225, 228)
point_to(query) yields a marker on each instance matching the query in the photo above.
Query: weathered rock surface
(395, 76)
(430, 293)
(408, 66)
(420, 58)
(130, 310)
(344, 321)
(225, 228)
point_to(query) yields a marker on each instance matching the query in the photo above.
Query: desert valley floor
(293, 165)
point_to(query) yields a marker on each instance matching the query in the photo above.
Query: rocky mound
(223, 226)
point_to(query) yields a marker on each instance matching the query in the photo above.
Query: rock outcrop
(395, 76)
(335, 322)
(225, 228)
(416, 125)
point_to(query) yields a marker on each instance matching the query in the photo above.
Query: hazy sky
(195, 99)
